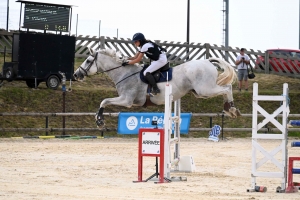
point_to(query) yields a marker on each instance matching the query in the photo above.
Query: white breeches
(155, 65)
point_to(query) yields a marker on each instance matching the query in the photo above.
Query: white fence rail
(192, 129)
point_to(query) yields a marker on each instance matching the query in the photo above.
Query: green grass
(86, 97)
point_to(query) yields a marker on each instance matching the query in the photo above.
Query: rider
(155, 53)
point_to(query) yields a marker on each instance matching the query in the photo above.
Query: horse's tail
(228, 76)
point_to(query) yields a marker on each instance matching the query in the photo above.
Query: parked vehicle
(39, 57)
(288, 63)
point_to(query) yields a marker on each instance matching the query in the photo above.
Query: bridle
(95, 59)
(90, 65)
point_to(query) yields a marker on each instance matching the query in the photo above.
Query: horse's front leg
(99, 117)
(118, 101)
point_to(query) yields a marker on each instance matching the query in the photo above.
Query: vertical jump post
(161, 140)
(282, 137)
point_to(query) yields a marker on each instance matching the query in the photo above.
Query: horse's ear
(91, 51)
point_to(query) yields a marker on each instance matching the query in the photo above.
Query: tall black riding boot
(152, 82)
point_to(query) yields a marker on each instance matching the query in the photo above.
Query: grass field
(86, 96)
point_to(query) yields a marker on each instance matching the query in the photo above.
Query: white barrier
(269, 156)
(179, 163)
(156, 142)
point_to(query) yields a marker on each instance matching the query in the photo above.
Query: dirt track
(105, 169)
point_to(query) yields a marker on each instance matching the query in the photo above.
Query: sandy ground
(105, 169)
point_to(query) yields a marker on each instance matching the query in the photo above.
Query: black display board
(42, 54)
(46, 17)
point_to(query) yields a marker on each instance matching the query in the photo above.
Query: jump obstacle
(294, 123)
(293, 186)
(282, 138)
(157, 142)
(286, 177)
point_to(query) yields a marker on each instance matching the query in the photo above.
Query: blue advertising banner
(130, 123)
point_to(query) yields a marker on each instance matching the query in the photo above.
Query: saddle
(160, 75)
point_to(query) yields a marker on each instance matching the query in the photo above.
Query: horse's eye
(88, 61)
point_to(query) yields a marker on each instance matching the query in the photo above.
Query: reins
(110, 69)
(127, 77)
(88, 68)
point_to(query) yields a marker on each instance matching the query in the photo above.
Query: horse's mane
(117, 55)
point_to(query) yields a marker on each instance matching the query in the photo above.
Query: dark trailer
(42, 56)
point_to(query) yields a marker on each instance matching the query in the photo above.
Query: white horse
(197, 76)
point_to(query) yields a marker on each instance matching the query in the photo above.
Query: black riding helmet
(139, 37)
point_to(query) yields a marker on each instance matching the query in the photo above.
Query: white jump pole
(167, 129)
(177, 163)
(168, 119)
(177, 112)
(282, 138)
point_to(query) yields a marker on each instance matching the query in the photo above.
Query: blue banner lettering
(130, 123)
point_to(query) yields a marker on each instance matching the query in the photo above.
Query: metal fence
(192, 129)
(179, 52)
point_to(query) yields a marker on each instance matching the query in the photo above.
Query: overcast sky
(253, 24)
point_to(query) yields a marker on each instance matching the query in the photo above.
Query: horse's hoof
(238, 113)
(229, 114)
(232, 110)
(100, 122)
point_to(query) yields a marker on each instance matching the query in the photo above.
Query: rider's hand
(125, 63)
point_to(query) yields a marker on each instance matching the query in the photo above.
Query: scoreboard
(46, 16)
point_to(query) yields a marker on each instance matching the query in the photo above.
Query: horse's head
(88, 67)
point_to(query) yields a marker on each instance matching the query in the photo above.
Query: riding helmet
(138, 37)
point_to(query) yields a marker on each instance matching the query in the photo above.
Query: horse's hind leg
(226, 91)
(231, 110)
(229, 107)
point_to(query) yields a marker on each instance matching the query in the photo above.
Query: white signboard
(151, 143)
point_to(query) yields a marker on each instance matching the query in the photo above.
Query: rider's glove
(125, 63)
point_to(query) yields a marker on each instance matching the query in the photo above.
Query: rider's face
(137, 43)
